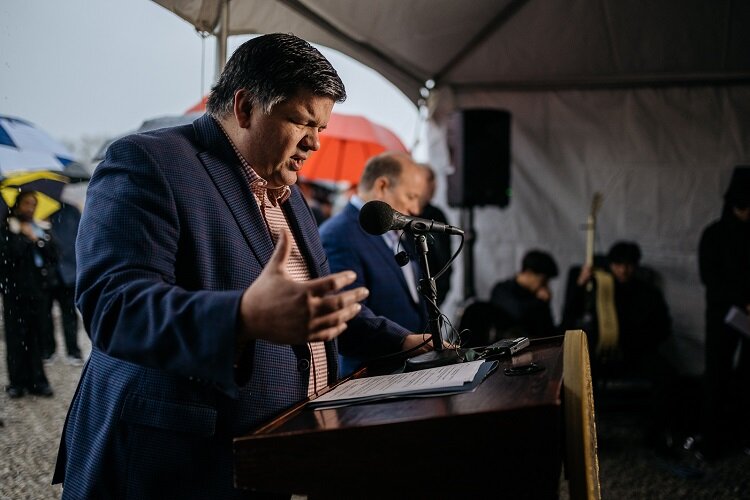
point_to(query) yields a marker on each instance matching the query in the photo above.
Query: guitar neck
(590, 227)
(596, 203)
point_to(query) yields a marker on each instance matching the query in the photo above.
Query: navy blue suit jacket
(348, 246)
(170, 238)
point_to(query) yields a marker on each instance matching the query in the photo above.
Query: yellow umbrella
(48, 186)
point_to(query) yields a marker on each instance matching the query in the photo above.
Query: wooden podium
(503, 439)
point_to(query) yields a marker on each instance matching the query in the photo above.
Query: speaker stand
(467, 223)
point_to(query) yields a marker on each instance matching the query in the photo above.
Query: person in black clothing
(64, 230)
(642, 313)
(523, 302)
(724, 264)
(644, 324)
(28, 255)
(440, 250)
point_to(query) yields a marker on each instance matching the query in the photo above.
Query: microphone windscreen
(376, 217)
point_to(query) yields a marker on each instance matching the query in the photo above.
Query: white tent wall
(661, 157)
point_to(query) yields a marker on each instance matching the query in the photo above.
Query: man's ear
(380, 185)
(242, 108)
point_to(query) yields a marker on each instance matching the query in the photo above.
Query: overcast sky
(101, 67)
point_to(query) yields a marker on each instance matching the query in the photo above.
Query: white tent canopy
(647, 102)
(508, 44)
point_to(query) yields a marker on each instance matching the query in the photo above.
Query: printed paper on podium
(451, 379)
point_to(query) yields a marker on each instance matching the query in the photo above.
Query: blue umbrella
(30, 159)
(27, 148)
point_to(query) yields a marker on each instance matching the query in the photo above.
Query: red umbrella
(345, 146)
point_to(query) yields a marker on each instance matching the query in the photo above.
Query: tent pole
(221, 38)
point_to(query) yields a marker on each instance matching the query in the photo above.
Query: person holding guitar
(641, 312)
(643, 324)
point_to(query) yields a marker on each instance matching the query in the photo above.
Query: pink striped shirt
(270, 200)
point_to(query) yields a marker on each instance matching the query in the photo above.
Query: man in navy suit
(394, 178)
(204, 287)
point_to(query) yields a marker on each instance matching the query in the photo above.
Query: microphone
(377, 217)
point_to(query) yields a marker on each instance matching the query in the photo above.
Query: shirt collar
(258, 185)
(357, 201)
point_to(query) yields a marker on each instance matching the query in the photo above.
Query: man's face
(742, 213)
(277, 144)
(537, 281)
(404, 196)
(429, 192)
(622, 271)
(26, 208)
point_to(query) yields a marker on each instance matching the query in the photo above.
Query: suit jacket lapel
(223, 166)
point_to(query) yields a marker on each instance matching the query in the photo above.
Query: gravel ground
(32, 425)
(628, 470)
(631, 470)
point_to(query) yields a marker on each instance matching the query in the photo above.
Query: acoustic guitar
(600, 315)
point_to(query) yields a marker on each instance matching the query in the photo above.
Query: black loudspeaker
(479, 146)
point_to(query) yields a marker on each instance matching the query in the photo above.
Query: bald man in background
(393, 178)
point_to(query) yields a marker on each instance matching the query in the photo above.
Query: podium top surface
(297, 451)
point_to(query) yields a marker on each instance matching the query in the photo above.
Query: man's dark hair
(385, 164)
(738, 193)
(273, 68)
(539, 262)
(624, 252)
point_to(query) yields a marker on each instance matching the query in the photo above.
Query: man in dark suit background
(64, 230)
(204, 287)
(440, 248)
(397, 180)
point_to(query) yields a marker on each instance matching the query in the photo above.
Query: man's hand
(281, 310)
(28, 231)
(413, 340)
(543, 293)
(584, 276)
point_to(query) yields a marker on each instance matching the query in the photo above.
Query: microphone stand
(439, 356)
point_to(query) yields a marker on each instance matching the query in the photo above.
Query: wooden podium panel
(504, 438)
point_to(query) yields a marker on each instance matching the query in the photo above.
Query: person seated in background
(523, 301)
(397, 180)
(440, 250)
(643, 318)
(643, 325)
